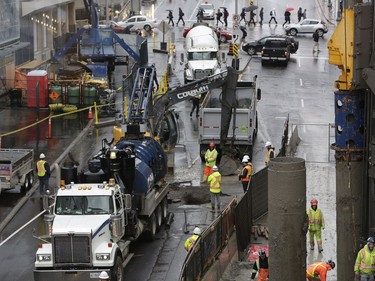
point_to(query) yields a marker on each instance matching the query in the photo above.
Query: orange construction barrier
(90, 113)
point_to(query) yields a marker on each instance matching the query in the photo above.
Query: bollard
(49, 128)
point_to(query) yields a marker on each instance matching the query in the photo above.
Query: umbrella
(251, 8)
(289, 9)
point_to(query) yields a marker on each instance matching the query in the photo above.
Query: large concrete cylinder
(287, 218)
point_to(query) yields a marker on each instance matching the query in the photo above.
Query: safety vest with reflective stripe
(267, 158)
(210, 157)
(190, 242)
(249, 168)
(365, 262)
(318, 269)
(40, 167)
(214, 180)
(316, 219)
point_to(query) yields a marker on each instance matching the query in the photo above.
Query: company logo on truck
(193, 93)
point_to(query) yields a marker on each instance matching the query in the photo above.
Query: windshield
(202, 56)
(84, 205)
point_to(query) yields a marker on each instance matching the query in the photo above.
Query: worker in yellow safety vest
(191, 240)
(364, 268)
(44, 173)
(210, 158)
(246, 173)
(270, 153)
(214, 181)
(316, 224)
(318, 271)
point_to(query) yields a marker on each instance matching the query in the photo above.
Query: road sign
(54, 95)
(236, 17)
(164, 26)
(236, 26)
(251, 3)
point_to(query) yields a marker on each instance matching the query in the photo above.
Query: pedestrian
(244, 32)
(246, 173)
(270, 153)
(364, 266)
(180, 16)
(261, 14)
(170, 17)
(200, 15)
(214, 180)
(226, 15)
(103, 276)
(261, 266)
(299, 14)
(316, 42)
(304, 14)
(191, 240)
(243, 16)
(316, 225)
(252, 16)
(273, 16)
(44, 173)
(219, 14)
(210, 158)
(286, 17)
(195, 100)
(318, 271)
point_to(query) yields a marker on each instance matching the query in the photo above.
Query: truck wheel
(203, 149)
(31, 179)
(164, 209)
(117, 272)
(26, 185)
(159, 217)
(151, 232)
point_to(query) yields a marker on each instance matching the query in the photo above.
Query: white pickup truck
(243, 119)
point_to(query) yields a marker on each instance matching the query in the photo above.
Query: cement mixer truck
(202, 54)
(92, 224)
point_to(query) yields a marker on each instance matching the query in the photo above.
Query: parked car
(276, 50)
(139, 22)
(306, 26)
(254, 47)
(208, 11)
(223, 35)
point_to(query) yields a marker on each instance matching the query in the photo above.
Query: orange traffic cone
(90, 113)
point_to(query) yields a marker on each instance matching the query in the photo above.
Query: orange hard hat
(314, 202)
(212, 144)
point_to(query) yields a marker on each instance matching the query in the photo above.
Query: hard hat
(103, 275)
(371, 240)
(247, 157)
(42, 156)
(268, 143)
(262, 252)
(331, 263)
(197, 231)
(245, 160)
(215, 168)
(314, 202)
(212, 144)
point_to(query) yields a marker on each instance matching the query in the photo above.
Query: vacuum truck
(92, 224)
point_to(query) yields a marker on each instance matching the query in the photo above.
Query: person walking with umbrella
(226, 15)
(299, 14)
(287, 16)
(243, 16)
(261, 14)
(219, 14)
(180, 16)
(170, 17)
(252, 15)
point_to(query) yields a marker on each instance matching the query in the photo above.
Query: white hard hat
(42, 156)
(215, 168)
(268, 143)
(245, 160)
(103, 275)
(197, 231)
(247, 157)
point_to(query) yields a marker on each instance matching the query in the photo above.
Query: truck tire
(151, 232)
(203, 148)
(117, 272)
(31, 179)
(164, 209)
(159, 217)
(26, 185)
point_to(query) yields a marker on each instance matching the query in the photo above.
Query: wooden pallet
(260, 231)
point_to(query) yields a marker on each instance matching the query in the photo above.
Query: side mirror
(259, 94)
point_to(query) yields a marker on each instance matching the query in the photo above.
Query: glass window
(84, 205)
(141, 19)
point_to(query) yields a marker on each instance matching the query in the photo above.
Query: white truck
(243, 120)
(16, 168)
(202, 54)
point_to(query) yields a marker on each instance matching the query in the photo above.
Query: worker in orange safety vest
(246, 173)
(214, 180)
(191, 240)
(318, 271)
(210, 158)
(316, 224)
(261, 266)
(364, 268)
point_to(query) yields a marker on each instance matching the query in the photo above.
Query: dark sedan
(254, 47)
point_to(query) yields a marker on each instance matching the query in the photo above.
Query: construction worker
(210, 158)
(318, 271)
(103, 276)
(191, 240)
(214, 180)
(270, 153)
(316, 224)
(364, 267)
(44, 173)
(246, 173)
(261, 266)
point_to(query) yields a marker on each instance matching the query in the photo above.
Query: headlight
(44, 257)
(103, 257)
